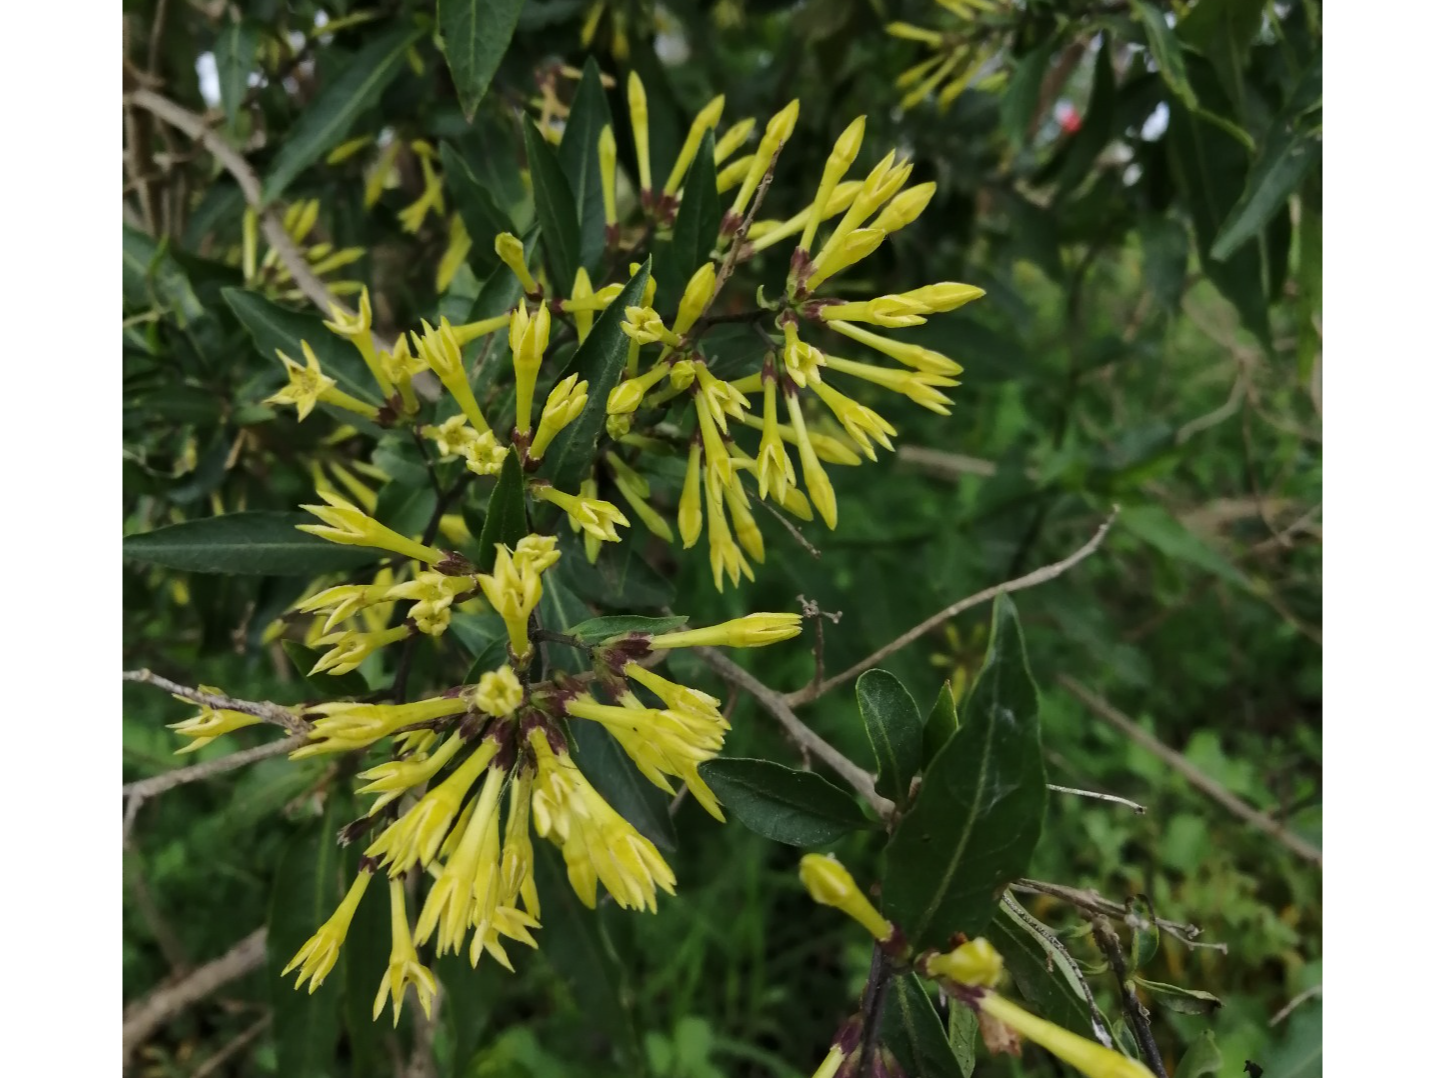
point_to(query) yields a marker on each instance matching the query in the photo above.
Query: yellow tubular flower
(840, 160)
(750, 631)
(725, 557)
(320, 952)
(697, 294)
(393, 778)
(909, 32)
(820, 490)
(745, 528)
(852, 249)
(691, 514)
(404, 966)
(917, 386)
(510, 250)
(829, 884)
(210, 724)
(348, 524)
(513, 590)
(910, 355)
(345, 725)
(594, 515)
(827, 449)
(859, 422)
(565, 404)
(528, 338)
(1085, 1056)
(643, 325)
(718, 466)
(831, 1062)
(775, 470)
(439, 349)
(779, 128)
(517, 867)
(976, 962)
(449, 904)
(308, 385)
(706, 120)
(732, 139)
(924, 88)
(582, 290)
(891, 312)
(357, 329)
(905, 208)
(608, 160)
(498, 693)
(472, 331)
(639, 119)
(414, 838)
(733, 174)
(400, 366)
(842, 197)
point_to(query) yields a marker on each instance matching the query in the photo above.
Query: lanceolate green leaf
(1290, 149)
(600, 362)
(554, 206)
(506, 521)
(235, 49)
(255, 544)
(894, 729)
(326, 686)
(579, 157)
(975, 822)
(597, 630)
(476, 34)
(327, 118)
(307, 888)
(1203, 1059)
(1167, 51)
(914, 1033)
(942, 722)
(795, 807)
(1176, 998)
(1097, 129)
(482, 218)
(695, 228)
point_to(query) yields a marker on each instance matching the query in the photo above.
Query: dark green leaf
(554, 205)
(1181, 1000)
(963, 1037)
(255, 544)
(1309, 281)
(1210, 169)
(1222, 30)
(1165, 259)
(365, 958)
(579, 156)
(597, 630)
(1146, 938)
(153, 277)
(488, 659)
(1290, 149)
(578, 944)
(475, 36)
(614, 775)
(469, 1001)
(621, 578)
(482, 218)
(505, 521)
(980, 809)
(277, 329)
(1162, 531)
(307, 887)
(1167, 51)
(695, 228)
(329, 687)
(1097, 129)
(942, 723)
(600, 362)
(1046, 974)
(1020, 100)
(894, 729)
(1300, 1053)
(236, 49)
(406, 507)
(327, 118)
(799, 808)
(914, 1033)
(1202, 1059)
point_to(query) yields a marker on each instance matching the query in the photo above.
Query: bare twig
(792, 529)
(1296, 1002)
(147, 1015)
(1092, 902)
(946, 465)
(1137, 1015)
(147, 788)
(238, 1044)
(1114, 798)
(1030, 580)
(284, 246)
(1179, 763)
(736, 245)
(277, 714)
(773, 702)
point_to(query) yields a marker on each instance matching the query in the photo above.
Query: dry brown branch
(238, 1044)
(946, 465)
(1179, 763)
(147, 1015)
(1031, 580)
(1094, 903)
(773, 702)
(284, 246)
(144, 789)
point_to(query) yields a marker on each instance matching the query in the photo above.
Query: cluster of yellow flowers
(969, 973)
(958, 57)
(464, 755)
(270, 275)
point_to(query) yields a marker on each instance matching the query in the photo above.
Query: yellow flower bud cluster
(958, 55)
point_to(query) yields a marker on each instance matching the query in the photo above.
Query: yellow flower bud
(976, 962)
(510, 250)
(732, 139)
(830, 884)
(840, 160)
(608, 160)
(753, 631)
(696, 297)
(639, 118)
(905, 208)
(707, 118)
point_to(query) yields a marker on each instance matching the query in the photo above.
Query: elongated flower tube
(750, 631)
(840, 160)
(348, 524)
(414, 838)
(393, 778)
(918, 386)
(820, 489)
(513, 590)
(347, 725)
(639, 120)
(209, 724)
(779, 128)
(608, 160)
(321, 951)
(594, 515)
(706, 120)
(404, 966)
(830, 884)
(357, 329)
(528, 338)
(565, 404)
(439, 349)
(732, 139)
(910, 355)
(510, 249)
